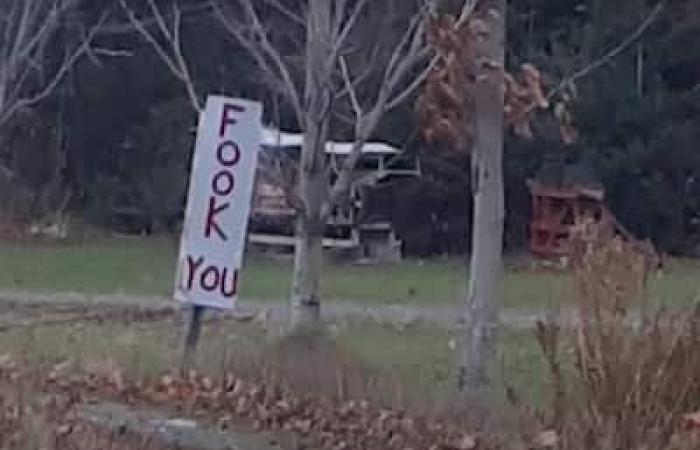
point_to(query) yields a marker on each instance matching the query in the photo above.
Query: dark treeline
(113, 141)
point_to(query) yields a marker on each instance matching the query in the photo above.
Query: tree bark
(2, 89)
(308, 256)
(483, 300)
(308, 260)
(330, 39)
(313, 182)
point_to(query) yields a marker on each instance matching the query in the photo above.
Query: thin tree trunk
(640, 70)
(313, 183)
(308, 260)
(483, 300)
(3, 87)
(308, 256)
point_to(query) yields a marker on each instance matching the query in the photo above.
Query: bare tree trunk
(313, 182)
(308, 257)
(2, 89)
(483, 300)
(329, 43)
(308, 260)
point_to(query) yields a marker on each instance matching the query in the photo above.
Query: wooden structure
(555, 210)
(564, 197)
(361, 226)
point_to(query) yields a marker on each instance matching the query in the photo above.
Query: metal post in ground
(193, 329)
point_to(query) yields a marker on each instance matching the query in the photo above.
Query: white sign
(218, 204)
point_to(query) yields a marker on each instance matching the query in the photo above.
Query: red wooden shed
(555, 210)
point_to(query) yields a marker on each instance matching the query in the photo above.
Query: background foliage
(118, 132)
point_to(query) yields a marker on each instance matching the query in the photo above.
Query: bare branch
(345, 29)
(111, 52)
(362, 77)
(412, 87)
(408, 53)
(275, 56)
(95, 54)
(19, 84)
(343, 183)
(350, 87)
(236, 30)
(6, 112)
(287, 12)
(141, 28)
(621, 47)
(345, 118)
(159, 18)
(186, 11)
(31, 30)
(174, 58)
(23, 28)
(365, 127)
(261, 49)
(404, 42)
(47, 22)
(9, 19)
(67, 65)
(339, 14)
(180, 59)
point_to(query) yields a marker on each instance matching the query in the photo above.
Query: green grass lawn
(402, 365)
(146, 267)
(424, 358)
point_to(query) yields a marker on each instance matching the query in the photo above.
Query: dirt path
(24, 307)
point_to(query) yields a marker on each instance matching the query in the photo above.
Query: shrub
(632, 377)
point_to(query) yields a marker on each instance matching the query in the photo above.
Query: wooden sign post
(218, 207)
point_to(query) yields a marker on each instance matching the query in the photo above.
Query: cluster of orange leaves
(523, 96)
(446, 105)
(443, 105)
